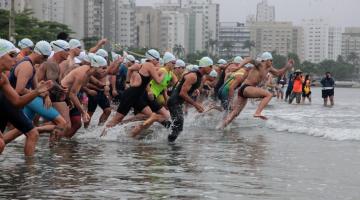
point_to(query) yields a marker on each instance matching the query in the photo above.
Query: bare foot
(137, 130)
(261, 117)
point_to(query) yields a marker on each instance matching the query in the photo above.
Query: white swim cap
(83, 57)
(192, 68)
(129, 58)
(180, 63)
(43, 48)
(266, 56)
(221, 62)
(213, 74)
(74, 43)
(60, 45)
(102, 53)
(137, 61)
(98, 61)
(195, 68)
(238, 59)
(25, 43)
(249, 65)
(161, 62)
(152, 54)
(77, 61)
(168, 57)
(205, 62)
(114, 56)
(142, 61)
(7, 47)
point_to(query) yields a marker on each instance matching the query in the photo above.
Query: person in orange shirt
(297, 88)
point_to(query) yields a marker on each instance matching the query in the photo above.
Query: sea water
(301, 152)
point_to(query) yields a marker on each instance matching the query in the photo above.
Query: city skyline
(344, 15)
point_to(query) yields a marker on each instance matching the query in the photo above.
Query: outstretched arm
(280, 72)
(98, 45)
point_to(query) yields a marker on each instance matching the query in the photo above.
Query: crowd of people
(56, 88)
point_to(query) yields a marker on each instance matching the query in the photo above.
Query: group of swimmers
(56, 87)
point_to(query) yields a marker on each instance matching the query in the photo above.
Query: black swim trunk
(241, 90)
(327, 93)
(8, 113)
(99, 99)
(306, 95)
(153, 104)
(131, 99)
(74, 112)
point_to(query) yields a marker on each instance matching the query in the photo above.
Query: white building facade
(265, 12)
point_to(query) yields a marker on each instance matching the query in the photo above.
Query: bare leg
(75, 126)
(325, 101)
(63, 109)
(105, 115)
(153, 117)
(113, 122)
(238, 106)
(332, 100)
(254, 92)
(30, 143)
(86, 125)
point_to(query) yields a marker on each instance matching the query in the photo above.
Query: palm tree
(228, 47)
(353, 58)
(179, 50)
(248, 44)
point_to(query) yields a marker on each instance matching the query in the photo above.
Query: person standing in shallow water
(328, 85)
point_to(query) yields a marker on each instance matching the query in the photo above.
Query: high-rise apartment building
(147, 27)
(272, 36)
(20, 5)
(321, 41)
(236, 34)
(350, 42)
(264, 12)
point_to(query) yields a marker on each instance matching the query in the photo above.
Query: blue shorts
(36, 106)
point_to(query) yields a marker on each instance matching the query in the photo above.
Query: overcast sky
(337, 12)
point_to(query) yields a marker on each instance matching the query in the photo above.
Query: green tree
(90, 41)
(248, 44)
(279, 61)
(295, 57)
(179, 50)
(353, 58)
(30, 27)
(228, 48)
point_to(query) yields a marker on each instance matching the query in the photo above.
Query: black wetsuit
(133, 97)
(175, 105)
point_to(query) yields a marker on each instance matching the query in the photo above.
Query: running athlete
(234, 80)
(74, 81)
(11, 102)
(138, 83)
(69, 64)
(249, 88)
(157, 97)
(23, 79)
(222, 64)
(182, 93)
(98, 92)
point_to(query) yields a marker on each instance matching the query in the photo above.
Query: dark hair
(63, 36)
